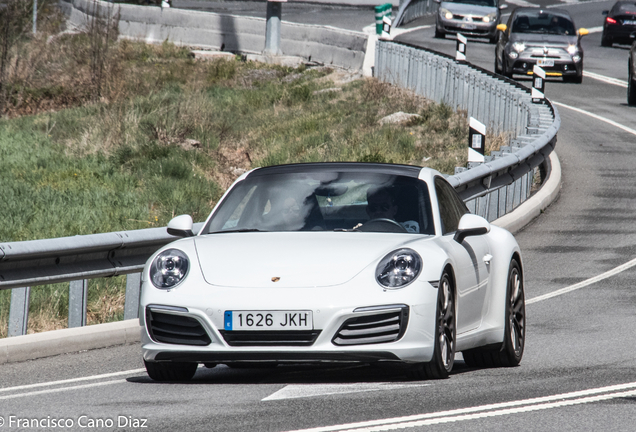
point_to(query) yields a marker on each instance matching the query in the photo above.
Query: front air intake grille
(175, 329)
(270, 338)
(373, 329)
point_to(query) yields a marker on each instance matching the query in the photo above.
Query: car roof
(380, 168)
(558, 12)
(625, 6)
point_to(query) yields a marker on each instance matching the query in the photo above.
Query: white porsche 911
(334, 262)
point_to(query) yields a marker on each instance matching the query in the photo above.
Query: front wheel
(443, 359)
(511, 350)
(631, 90)
(439, 34)
(167, 372)
(504, 68)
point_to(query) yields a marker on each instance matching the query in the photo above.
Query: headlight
(518, 46)
(573, 49)
(399, 268)
(446, 13)
(490, 17)
(169, 268)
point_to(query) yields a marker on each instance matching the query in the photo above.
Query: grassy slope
(167, 134)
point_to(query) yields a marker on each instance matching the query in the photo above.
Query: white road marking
(584, 283)
(61, 389)
(492, 410)
(611, 272)
(598, 117)
(521, 3)
(595, 29)
(72, 380)
(312, 390)
(606, 79)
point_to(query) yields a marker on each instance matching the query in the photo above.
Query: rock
(398, 118)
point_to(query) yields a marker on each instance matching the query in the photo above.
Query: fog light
(513, 55)
(565, 67)
(525, 65)
(576, 58)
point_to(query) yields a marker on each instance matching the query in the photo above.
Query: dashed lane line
(72, 380)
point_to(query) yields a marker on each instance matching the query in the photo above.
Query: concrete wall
(237, 34)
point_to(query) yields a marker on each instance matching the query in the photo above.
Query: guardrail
(410, 10)
(499, 185)
(491, 189)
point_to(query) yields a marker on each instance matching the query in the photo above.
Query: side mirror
(471, 225)
(503, 6)
(583, 32)
(181, 226)
(502, 27)
(437, 1)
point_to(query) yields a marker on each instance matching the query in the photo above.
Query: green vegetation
(161, 133)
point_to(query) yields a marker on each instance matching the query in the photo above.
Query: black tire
(166, 372)
(577, 79)
(443, 359)
(510, 352)
(497, 68)
(504, 68)
(606, 41)
(439, 34)
(631, 90)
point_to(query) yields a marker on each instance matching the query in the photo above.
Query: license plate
(545, 62)
(629, 22)
(469, 26)
(269, 320)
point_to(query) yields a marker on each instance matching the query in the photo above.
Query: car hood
(251, 260)
(468, 9)
(537, 39)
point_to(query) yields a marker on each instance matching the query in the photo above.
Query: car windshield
(543, 23)
(325, 201)
(491, 3)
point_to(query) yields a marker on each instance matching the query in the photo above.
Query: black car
(546, 38)
(619, 24)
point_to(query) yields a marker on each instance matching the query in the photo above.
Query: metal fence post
(272, 28)
(77, 297)
(133, 285)
(19, 311)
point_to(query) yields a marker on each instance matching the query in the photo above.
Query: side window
(451, 207)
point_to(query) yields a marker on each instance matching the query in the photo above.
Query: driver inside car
(381, 205)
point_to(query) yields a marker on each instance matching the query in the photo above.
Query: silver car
(547, 38)
(476, 18)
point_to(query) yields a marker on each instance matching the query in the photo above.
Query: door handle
(487, 259)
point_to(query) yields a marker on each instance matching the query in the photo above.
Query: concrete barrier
(224, 32)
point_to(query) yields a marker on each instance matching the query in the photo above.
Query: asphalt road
(579, 360)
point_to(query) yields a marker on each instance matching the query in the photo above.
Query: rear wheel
(171, 371)
(511, 350)
(606, 41)
(441, 364)
(631, 89)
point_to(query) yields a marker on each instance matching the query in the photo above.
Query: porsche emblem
(275, 279)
